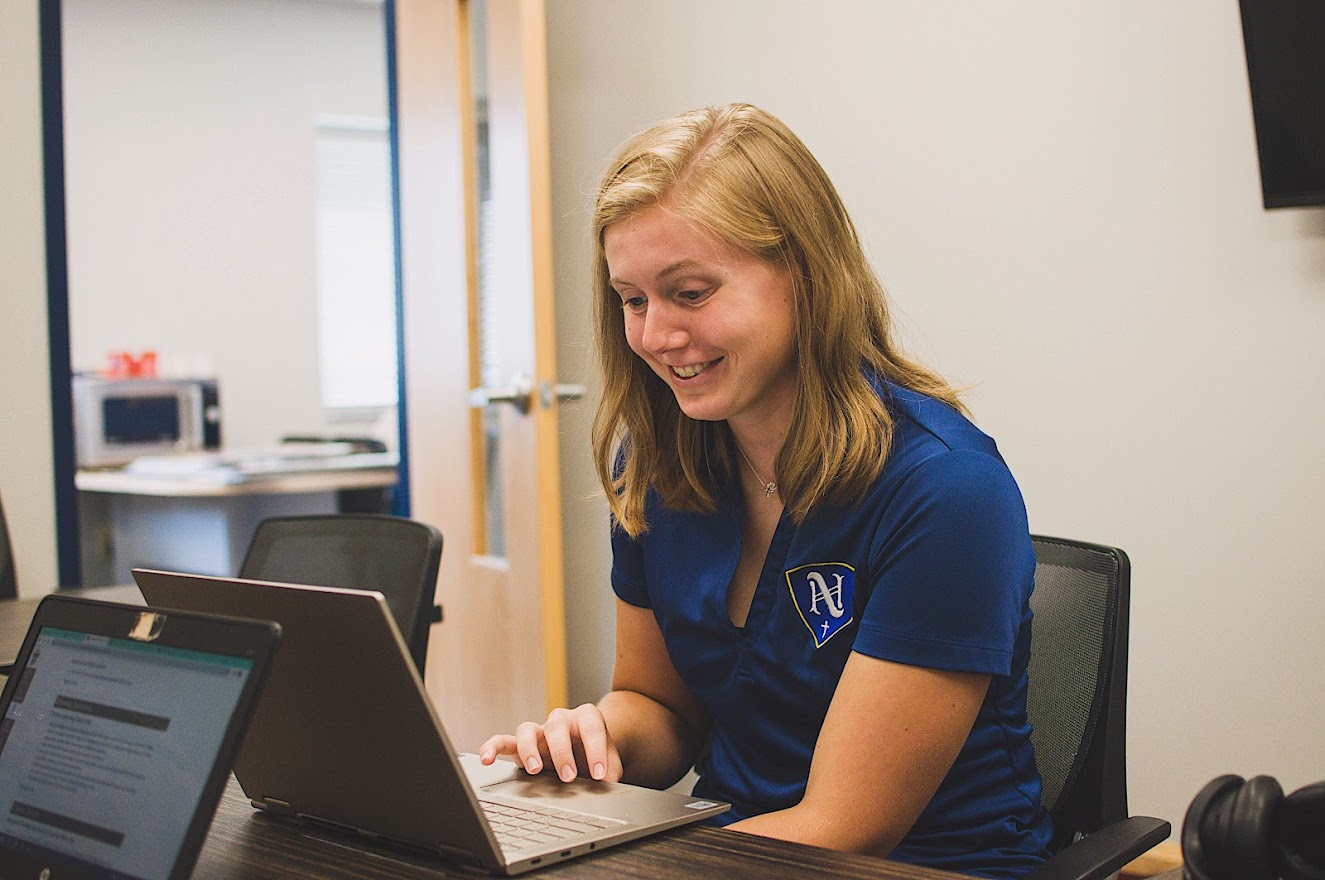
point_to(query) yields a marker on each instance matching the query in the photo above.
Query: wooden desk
(244, 843)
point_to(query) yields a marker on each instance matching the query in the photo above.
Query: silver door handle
(518, 394)
(550, 391)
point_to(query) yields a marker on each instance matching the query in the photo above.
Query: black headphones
(1238, 829)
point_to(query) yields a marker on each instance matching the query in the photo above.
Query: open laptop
(118, 728)
(345, 735)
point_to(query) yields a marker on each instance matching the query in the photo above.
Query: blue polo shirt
(933, 568)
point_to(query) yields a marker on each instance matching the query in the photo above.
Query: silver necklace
(769, 486)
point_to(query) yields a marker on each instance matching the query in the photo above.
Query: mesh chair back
(397, 557)
(1077, 691)
(8, 582)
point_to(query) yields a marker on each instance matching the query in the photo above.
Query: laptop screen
(107, 747)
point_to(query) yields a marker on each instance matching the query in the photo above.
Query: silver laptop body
(346, 735)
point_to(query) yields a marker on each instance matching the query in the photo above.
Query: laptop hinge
(275, 806)
(453, 853)
(457, 854)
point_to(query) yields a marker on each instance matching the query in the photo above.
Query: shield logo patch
(823, 593)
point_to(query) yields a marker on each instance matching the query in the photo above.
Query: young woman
(822, 567)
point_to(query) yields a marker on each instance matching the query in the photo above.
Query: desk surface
(244, 843)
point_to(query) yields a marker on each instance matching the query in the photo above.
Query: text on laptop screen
(107, 746)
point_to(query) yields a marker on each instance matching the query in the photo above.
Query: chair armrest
(1103, 853)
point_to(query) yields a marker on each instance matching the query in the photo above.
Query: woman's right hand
(570, 741)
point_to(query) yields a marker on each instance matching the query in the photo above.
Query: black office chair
(1077, 703)
(397, 557)
(8, 580)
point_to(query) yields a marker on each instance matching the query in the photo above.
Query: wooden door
(477, 313)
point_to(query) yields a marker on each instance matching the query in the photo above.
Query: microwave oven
(117, 420)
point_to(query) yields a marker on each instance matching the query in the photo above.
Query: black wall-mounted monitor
(1285, 46)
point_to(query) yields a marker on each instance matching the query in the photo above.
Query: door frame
(434, 117)
(68, 541)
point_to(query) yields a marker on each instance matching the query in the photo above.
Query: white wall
(1063, 200)
(26, 464)
(189, 154)
(159, 229)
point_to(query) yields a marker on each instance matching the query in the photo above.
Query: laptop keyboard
(520, 828)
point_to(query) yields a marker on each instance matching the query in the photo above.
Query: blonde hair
(740, 174)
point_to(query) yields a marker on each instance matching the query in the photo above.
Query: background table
(202, 523)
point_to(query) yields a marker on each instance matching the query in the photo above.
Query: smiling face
(714, 322)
